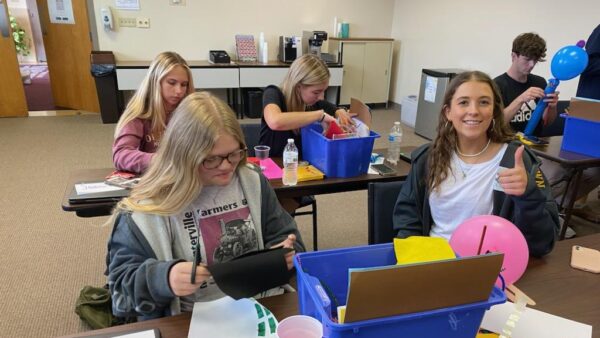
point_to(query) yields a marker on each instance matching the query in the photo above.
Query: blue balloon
(568, 62)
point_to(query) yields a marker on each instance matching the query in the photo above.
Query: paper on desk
(272, 170)
(141, 334)
(226, 317)
(94, 187)
(534, 323)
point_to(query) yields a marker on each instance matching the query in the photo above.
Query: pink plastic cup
(300, 327)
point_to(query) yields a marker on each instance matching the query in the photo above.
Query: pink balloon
(500, 236)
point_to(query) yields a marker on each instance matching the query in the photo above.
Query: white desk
(205, 75)
(234, 77)
(262, 75)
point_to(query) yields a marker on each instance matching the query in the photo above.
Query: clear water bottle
(394, 139)
(290, 163)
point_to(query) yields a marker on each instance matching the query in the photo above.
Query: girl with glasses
(198, 194)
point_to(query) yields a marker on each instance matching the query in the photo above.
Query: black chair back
(381, 201)
(251, 135)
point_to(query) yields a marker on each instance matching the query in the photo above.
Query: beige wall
(475, 34)
(470, 34)
(201, 25)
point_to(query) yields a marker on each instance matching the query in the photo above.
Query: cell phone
(585, 259)
(406, 157)
(383, 169)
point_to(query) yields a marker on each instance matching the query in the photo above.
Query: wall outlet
(127, 22)
(142, 23)
(177, 2)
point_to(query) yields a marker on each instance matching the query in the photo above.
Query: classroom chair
(380, 206)
(306, 201)
(252, 136)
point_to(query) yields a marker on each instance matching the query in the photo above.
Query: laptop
(96, 192)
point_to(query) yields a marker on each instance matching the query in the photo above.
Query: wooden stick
(481, 240)
(512, 292)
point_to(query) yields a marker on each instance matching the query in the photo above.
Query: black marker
(197, 261)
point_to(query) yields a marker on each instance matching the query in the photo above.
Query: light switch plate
(127, 22)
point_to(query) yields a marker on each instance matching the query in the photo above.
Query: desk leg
(569, 209)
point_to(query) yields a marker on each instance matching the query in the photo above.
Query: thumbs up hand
(514, 180)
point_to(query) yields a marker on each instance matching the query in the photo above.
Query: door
(353, 55)
(68, 48)
(376, 80)
(12, 94)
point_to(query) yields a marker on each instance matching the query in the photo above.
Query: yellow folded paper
(419, 249)
(309, 173)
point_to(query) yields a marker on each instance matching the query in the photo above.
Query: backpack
(94, 307)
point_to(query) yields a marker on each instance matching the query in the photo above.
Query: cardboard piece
(361, 111)
(585, 108)
(252, 273)
(401, 289)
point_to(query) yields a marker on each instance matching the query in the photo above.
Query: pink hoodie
(134, 147)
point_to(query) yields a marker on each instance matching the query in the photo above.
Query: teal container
(345, 30)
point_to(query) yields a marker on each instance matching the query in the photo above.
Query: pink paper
(272, 170)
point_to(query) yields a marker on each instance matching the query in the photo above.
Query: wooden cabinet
(367, 68)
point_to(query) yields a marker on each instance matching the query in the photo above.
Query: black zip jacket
(535, 212)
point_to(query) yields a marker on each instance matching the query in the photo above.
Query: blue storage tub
(581, 136)
(325, 273)
(337, 158)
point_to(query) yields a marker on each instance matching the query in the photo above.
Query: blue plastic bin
(337, 158)
(581, 136)
(325, 273)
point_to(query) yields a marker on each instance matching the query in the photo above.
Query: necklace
(460, 166)
(475, 155)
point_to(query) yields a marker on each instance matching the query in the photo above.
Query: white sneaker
(570, 232)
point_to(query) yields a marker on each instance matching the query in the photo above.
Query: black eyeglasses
(215, 161)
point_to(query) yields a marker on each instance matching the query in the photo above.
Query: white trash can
(408, 114)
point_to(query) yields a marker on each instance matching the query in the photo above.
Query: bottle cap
(290, 140)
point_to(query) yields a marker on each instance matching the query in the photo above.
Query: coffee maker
(290, 48)
(312, 42)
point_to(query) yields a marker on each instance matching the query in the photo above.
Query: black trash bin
(253, 103)
(104, 71)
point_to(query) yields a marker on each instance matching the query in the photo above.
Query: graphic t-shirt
(511, 89)
(219, 221)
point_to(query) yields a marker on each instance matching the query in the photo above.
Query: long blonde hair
(307, 70)
(446, 141)
(147, 103)
(172, 180)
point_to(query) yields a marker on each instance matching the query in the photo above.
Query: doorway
(31, 55)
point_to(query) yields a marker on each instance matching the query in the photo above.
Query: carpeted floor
(48, 255)
(37, 89)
